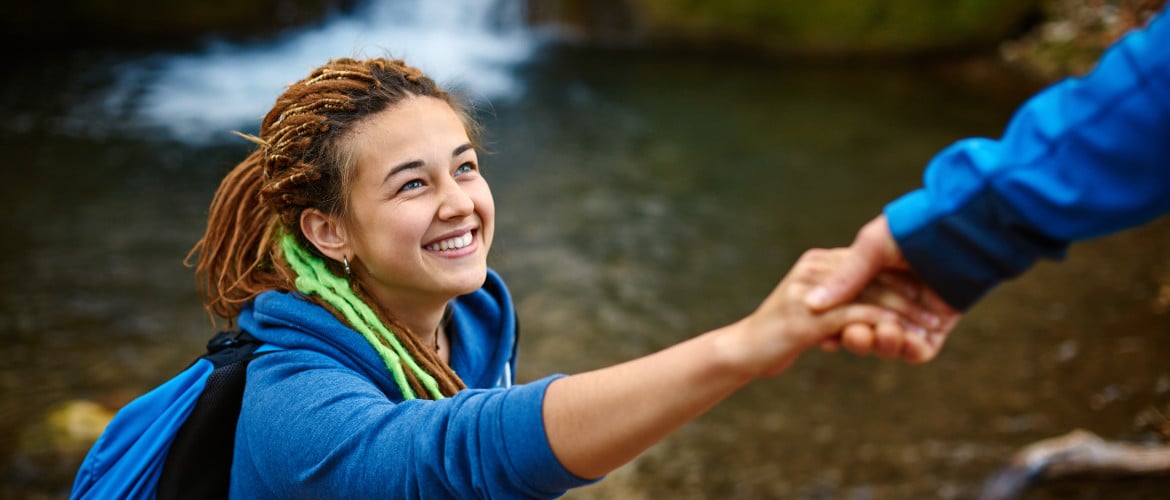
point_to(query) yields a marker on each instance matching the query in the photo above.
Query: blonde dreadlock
(253, 241)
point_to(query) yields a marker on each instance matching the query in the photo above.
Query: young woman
(356, 237)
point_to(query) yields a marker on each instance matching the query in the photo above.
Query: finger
(947, 316)
(901, 282)
(858, 338)
(914, 312)
(855, 321)
(893, 299)
(831, 344)
(917, 350)
(888, 339)
(936, 340)
(924, 346)
(843, 283)
(815, 263)
(872, 249)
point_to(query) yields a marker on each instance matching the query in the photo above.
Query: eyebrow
(419, 163)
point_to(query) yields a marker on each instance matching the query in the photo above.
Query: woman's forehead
(414, 129)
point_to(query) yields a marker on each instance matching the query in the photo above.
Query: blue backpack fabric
(175, 441)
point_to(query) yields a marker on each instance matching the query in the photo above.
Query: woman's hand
(874, 255)
(782, 327)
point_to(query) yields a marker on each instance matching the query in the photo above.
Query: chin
(470, 281)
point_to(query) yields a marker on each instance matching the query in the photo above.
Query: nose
(455, 202)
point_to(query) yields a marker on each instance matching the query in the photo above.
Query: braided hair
(253, 241)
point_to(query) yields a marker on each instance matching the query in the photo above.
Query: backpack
(175, 441)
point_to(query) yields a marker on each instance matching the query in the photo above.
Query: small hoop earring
(345, 261)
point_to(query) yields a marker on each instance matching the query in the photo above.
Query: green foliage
(842, 26)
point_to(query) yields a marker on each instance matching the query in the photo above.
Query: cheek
(408, 225)
(486, 207)
(392, 227)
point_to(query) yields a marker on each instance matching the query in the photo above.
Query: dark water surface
(641, 199)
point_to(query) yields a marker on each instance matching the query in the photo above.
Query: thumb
(843, 284)
(866, 258)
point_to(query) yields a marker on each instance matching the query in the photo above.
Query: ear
(326, 232)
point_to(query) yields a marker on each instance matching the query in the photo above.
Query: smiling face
(420, 217)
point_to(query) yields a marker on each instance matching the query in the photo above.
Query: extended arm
(598, 420)
(1084, 158)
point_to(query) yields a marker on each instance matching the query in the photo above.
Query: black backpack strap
(199, 462)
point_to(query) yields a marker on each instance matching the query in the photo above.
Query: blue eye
(415, 184)
(464, 168)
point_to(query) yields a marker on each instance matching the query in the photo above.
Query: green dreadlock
(313, 277)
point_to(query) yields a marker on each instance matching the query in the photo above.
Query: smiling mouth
(451, 243)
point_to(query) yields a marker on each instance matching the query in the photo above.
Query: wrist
(736, 354)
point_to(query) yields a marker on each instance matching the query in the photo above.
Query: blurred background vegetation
(1048, 38)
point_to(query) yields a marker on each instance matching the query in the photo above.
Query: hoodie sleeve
(313, 429)
(1084, 158)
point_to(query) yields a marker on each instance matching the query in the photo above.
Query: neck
(424, 321)
(428, 331)
(421, 314)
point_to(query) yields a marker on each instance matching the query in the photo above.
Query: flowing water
(642, 198)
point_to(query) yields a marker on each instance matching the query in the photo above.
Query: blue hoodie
(324, 419)
(1084, 158)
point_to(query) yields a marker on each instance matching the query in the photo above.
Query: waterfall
(472, 46)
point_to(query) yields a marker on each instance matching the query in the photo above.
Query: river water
(642, 198)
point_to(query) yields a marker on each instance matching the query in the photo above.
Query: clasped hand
(887, 312)
(874, 266)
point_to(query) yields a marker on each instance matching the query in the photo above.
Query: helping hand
(782, 327)
(874, 254)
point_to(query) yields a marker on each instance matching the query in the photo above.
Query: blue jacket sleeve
(310, 428)
(1084, 158)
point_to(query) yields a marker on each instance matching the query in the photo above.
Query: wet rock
(54, 445)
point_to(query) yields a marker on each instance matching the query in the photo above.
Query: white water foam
(472, 46)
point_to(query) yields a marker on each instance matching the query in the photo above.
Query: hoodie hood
(482, 333)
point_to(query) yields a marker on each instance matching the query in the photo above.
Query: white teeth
(451, 243)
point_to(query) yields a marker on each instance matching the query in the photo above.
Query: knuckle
(812, 255)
